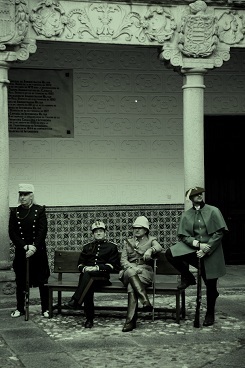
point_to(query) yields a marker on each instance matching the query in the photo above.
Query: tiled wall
(70, 227)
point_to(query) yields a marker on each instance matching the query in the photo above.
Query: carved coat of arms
(7, 20)
(14, 18)
(198, 35)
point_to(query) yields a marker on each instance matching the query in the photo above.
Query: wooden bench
(65, 262)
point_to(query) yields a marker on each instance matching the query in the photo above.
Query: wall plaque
(40, 103)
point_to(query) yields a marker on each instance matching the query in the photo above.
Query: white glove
(204, 247)
(147, 255)
(32, 248)
(200, 253)
(91, 268)
(29, 253)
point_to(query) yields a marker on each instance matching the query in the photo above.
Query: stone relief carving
(14, 18)
(231, 27)
(204, 39)
(9, 288)
(48, 18)
(110, 21)
(159, 25)
(14, 23)
(198, 33)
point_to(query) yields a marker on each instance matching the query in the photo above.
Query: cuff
(195, 243)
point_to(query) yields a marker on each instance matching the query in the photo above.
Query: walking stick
(199, 295)
(27, 291)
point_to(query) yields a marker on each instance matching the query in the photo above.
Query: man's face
(197, 199)
(25, 198)
(99, 234)
(139, 231)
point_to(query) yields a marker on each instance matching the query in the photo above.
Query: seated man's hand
(147, 255)
(90, 268)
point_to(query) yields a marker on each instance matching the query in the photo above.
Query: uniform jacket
(102, 253)
(132, 255)
(206, 225)
(29, 226)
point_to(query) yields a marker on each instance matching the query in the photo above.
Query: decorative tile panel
(69, 228)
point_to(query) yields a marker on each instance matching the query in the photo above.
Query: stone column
(6, 275)
(193, 132)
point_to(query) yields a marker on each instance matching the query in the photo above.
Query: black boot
(140, 291)
(212, 295)
(209, 319)
(130, 323)
(187, 281)
(72, 304)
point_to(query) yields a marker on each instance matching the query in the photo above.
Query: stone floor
(161, 343)
(63, 342)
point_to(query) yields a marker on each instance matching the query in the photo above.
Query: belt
(139, 261)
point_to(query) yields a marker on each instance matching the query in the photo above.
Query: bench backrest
(66, 261)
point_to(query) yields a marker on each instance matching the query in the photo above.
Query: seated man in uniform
(97, 260)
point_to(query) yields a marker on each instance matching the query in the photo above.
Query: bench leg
(59, 302)
(50, 302)
(178, 307)
(183, 311)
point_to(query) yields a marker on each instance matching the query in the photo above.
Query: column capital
(14, 25)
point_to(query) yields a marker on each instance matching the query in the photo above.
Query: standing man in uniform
(27, 230)
(200, 232)
(97, 260)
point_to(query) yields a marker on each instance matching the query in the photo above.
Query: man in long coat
(200, 232)
(27, 231)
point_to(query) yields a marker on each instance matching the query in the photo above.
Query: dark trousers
(20, 295)
(182, 263)
(88, 298)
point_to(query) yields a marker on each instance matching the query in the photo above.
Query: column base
(7, 289)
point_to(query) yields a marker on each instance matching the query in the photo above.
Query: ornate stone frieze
(14, 23)
(231, 27)
(108, 22)
(191, 34)
(158, 25)
(48, 18)
(102, 21)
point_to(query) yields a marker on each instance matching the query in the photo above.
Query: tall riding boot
(211, 294)
(140, 291)
(130, 323)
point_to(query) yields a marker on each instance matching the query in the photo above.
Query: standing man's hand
(204, 247)
(30, 250)
(200, 253)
